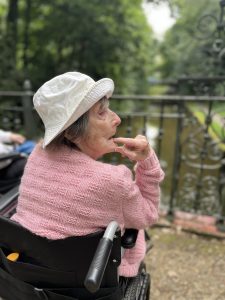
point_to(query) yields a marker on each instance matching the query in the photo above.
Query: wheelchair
(74, 268)
(9, 183)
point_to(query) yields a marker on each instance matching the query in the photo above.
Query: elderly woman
(65, 190)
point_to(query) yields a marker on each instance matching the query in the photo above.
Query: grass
(215, 129)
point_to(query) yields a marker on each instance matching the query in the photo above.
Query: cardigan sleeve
(141, 196)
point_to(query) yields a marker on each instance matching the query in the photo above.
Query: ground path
(186, 266)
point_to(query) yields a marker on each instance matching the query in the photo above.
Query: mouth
(112, 137)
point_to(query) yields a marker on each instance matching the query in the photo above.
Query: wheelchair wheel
(138, 287)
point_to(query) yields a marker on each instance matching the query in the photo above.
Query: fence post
(176, 162)
(29, 121)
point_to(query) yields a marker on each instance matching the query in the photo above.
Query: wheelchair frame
(135, 288)
(7, 184)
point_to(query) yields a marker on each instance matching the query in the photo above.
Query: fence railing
(189, 136)
(16, 111)
(187, 132)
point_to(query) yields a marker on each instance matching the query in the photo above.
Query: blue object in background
(26, 147)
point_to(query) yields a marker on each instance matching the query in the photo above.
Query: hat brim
(101, 88)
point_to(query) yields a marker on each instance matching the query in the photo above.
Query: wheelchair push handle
(99, 262)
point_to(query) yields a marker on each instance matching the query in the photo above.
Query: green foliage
(188, 46)
(216, 128)
(100, 38)
(8, 74)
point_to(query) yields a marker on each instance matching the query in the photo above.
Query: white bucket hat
(63, 99)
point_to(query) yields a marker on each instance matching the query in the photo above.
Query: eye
(102, 111)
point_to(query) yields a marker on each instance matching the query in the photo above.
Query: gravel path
(186, 266)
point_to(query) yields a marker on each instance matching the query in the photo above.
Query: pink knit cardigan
(67, 193)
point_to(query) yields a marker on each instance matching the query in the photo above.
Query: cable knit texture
(67, 193)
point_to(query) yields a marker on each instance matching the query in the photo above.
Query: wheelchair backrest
(72, 254)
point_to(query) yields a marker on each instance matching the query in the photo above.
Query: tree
(100, 38)
(188, 47)
(8, 44)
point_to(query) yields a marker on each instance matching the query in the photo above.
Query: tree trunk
(12, 18)
(26, 36)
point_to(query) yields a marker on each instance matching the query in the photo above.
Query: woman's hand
(135, 149)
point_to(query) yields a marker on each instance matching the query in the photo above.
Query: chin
(112, 146)
(109, 150)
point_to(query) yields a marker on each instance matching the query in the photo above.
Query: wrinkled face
(102, 126)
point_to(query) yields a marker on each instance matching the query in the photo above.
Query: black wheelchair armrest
(10, 155)
(8, 198)
(129, 238)
(99, 262)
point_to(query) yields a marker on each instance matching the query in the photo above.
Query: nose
(116, 119)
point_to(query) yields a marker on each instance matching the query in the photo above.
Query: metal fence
(16, 111)
(187, 132)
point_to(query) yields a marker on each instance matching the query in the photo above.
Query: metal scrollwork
(202, 153)
(206, 27)
(11, 120)
(214, 152)
(187, 193)
(207, 201)
(192, 150)
(211, 27)
(209, 195)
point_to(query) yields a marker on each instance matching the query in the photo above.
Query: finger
(127, 141)
(126, 152)
(20, 140)
(119, 149)
(140, 137)
(130, 154)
